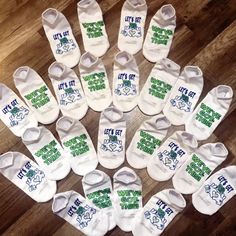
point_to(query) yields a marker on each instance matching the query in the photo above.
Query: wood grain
(205, 36)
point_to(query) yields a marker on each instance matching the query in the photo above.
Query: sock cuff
(136, 4)
(5, 92)
(87, 4)
(166, 14)
(94, 178)
(6, 159)
(32, 134)
(192, 74)
(176, 199)
(169, 66)
(51, 22)
(57, 70)
(113, 114)
(222, 92)
(187, 138)
(125, 176)
(65, 123)
(89, 61)
(60, 201)
(215, 149)
(124, 59)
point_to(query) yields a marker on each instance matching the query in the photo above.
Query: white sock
(95, 82)
(210, 112)
(47, 152)
(36, 94)
(111, 138)
(146, 140)
(158, 212)
(132, 22)
(216, 191)
(81, 213)
(158, 86)
(184, 95)
(27, 176)
(160, 34)
(127, 197)
(171, 155)
(68, 90)
(98, 189)
(14, 113)
(92, 27)
(78, 144)
(125, 82)
(60, 36)
(198, 167)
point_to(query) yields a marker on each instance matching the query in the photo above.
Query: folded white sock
(81, 213)
(160, 34)
(111, 138)
(98, 189)
(125, 82)
(36, 94)
(158, 213)
(78, 144)
(210, 112)
(146, 140)
(216, 191)
(132, 22)
(158, 86)
(92, 27)
(47, 152)
(27, 176)
(127, 197)
(184, 95)
(95, 82)
(60, 36)
(200, 164)
(171, 155)
(68, 90)
(14, 113)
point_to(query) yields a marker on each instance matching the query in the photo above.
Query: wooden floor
(205, 36)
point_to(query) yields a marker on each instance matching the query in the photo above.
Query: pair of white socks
(171, 155)
(160, 34)
(158, 86)
(92, 27)
(47, 152)
(125, 82)
(132, 22)
(98, 189)
(14, 113)
(68, 90)
(198, 167)
(184, 95)
(77, 145)
(111, 138)
(158, 213)
(81, 213)
(127, 197)
(146, 140)
(36, 94)
(27, 176)
(216, 191)
(95, 82)
(210, 112)
(60, 36)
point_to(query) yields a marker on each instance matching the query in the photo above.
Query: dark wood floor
(205, 36)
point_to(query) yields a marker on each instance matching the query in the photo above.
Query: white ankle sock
(60, 36)
(47, 152)
(111, 138)
(95, 82)
(78, 144)
(158, 212)
(68, 90)
(125, 82)
(160, 34)
(14, 113)
(27, 176)
(36, 94)
(171, 155)
(132, 22)
(127, 197)
(98, 189)
(184, 95)
(192, 174)
(216, 191)
(92, 27)
(210, 112)
(81, 213)
(158, 86)
(146, 140)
